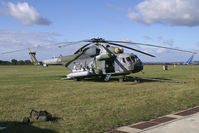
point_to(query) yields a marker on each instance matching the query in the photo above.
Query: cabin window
(124, 61)
(98, 51)
(133, 59)
(128, 59)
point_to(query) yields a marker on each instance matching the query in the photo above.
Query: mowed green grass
(89, 105)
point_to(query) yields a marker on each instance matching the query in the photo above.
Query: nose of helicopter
(137, 67)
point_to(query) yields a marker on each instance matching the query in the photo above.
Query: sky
(30, 23)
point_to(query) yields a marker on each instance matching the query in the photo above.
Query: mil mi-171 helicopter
(99, 59)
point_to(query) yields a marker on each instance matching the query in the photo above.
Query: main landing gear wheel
(122, 79)
(77, 79)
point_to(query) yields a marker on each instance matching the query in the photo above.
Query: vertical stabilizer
(33, 58)
(189, 61)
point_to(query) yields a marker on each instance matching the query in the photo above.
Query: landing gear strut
(77, 79)
(123, 78)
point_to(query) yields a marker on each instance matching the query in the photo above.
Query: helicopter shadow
(18, 127)
(144, 80)
(131, 79)
(128, 79)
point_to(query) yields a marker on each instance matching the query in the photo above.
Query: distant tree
(7, 63)
(21, 62)
(4, 62)
(28, 62)
(14, 62)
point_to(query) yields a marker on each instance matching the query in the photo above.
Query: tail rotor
(33, 55)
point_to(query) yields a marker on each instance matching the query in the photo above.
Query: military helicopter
(100, 57)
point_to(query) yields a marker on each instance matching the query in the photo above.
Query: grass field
(91, 106)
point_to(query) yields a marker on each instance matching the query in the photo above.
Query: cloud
(173, 12)
(169, 42)
(112, 19)
(161, 50)
(125, 39)
(115, 7)
(147, 37)
(26, 14)
(130, 45)
(12, 40)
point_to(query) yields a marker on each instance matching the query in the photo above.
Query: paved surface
(188, 124)
(186, 121)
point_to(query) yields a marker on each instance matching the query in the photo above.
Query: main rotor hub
(98, 40)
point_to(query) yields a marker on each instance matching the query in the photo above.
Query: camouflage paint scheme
(99, 60)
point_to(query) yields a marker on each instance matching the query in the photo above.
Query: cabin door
(109, 66)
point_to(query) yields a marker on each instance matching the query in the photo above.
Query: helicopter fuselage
(99, 60)
(96, 61)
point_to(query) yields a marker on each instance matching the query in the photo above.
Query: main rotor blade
(64, 44)
(35, 48)
(18, 50)
(30, 49)
(131, 49)
(144, 44)
(82, 48)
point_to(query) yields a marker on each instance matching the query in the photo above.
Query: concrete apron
(181, 122)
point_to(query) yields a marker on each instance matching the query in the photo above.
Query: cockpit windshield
(130, 59)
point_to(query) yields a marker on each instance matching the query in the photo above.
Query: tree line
(16, 62)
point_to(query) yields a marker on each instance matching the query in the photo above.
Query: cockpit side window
(98, 51)
(133, 59)
(128, 59)
(123, 60)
